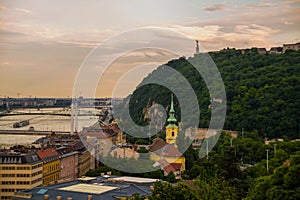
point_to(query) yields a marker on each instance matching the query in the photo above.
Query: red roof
(171, 168)
(176, 166)
(47, 154)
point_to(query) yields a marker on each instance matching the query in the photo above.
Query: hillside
(262, 92)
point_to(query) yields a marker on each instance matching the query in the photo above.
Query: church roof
(170, 151)
(159, 146)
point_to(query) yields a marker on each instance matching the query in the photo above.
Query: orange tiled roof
(169, 167)
(176, 166)
(47, 154)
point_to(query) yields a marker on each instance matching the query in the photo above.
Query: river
(38, 122)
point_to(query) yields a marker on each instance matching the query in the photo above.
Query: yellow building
(51, 165)
(85, 162)
(167, 151)
(19, 172)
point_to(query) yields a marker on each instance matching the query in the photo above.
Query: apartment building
(19, 172)
(51, 165)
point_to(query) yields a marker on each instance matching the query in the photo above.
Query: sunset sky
(44, 42)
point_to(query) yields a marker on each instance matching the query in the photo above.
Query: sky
(44, 43)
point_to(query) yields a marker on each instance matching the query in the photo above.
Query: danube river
(45, 122)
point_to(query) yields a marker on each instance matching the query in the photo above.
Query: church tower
(172, 128)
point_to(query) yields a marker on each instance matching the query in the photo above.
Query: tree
(171, 177)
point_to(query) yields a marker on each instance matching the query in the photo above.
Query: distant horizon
(15, 96)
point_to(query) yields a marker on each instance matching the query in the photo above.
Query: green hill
(263, 92)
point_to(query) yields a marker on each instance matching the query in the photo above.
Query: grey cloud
(216, 7)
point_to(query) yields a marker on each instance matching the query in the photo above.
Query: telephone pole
(268, 159)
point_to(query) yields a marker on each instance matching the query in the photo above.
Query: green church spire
(172, 120)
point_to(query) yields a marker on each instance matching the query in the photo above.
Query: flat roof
(88, 188)
(87, 178)
(136, 179)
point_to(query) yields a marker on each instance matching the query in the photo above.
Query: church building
(165, 153)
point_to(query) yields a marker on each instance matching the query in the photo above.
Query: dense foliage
(224, 175)
(263, 92)
(263, 99)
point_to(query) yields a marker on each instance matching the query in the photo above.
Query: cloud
(265, 24)
(216, 7)
(5, 63)
(213, 37)
(20, 10)
(23, 10)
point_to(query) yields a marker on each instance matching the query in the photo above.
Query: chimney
(69, 198)
(109, 173)
(58, 198)
(46, 197)
(90, 197)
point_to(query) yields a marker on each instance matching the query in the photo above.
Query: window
(8, 168)
(173, 134)
(23, 175)
(8, 182)
(7, 175)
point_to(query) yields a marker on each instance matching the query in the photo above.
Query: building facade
(19, 172)
(68, 164)
(51, 165)
(84, 162)
(294, 47)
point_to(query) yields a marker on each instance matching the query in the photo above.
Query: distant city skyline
(43, 43)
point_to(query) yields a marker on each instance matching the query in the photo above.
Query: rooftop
(131, 179)
(98, 187)
(48, 154)
(29, 158)
(88, 188)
